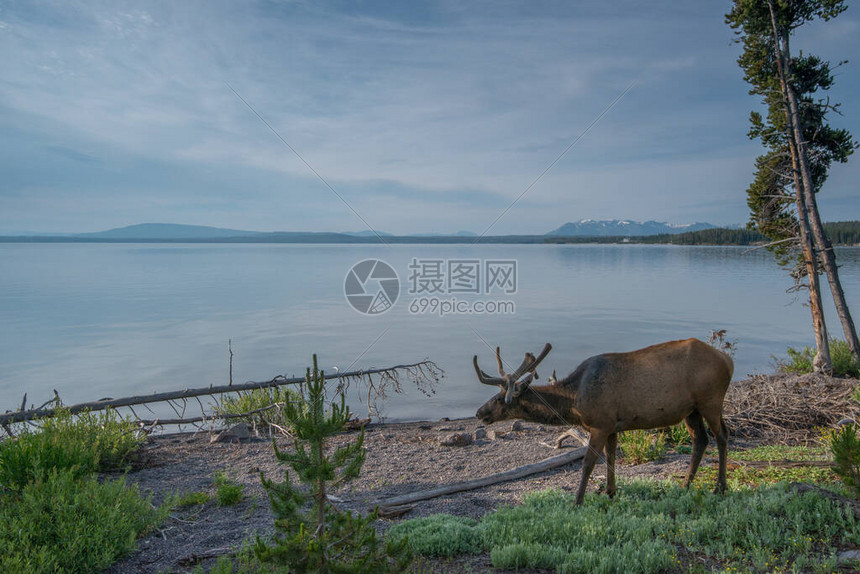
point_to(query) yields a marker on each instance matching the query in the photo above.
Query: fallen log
(197, 557)
(143, 423)
(390, 504)
(280, 380)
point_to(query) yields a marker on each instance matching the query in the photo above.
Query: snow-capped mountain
(622, 227)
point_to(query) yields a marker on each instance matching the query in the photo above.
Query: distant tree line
(839, 232)
(716, 236)
(843, 232)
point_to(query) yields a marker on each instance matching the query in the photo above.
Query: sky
(404, 117)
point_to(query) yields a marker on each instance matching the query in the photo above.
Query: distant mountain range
(174, 232)
(168, 231)
(622, 228)
(582, 232)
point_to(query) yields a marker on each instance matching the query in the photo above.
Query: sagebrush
(650, 527)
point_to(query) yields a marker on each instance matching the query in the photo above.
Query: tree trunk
(819, 237)
(822, 361)
(800, 167)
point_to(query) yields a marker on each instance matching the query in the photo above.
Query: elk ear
(552, 378)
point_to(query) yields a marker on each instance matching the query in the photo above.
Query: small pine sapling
(845, 447)
(322, 538)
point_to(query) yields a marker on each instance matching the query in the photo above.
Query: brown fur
(654, 387)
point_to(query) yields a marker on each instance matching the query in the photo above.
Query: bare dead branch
(788, 408)
(757, 247)
(424, 374)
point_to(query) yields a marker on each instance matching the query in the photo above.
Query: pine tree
(322, 539)
(801, 144)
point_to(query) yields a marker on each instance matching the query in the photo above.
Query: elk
(654, 387)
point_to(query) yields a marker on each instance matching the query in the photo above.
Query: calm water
(110, 320)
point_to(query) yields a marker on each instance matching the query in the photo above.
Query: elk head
(512, 385)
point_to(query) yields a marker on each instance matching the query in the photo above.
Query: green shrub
(191, 499)
(247, 401)
(800, 361)
(228, 491)
(64, 523)
(845, 447)
(652, 526)
(677, 434)
(638, 446)
(438, 535)
(516, 556)
(87, 442)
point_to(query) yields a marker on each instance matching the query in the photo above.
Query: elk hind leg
(721, 434)
(699, 436)
(596, 443)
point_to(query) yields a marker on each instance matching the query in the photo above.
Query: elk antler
(530, 363)
(484, 377)
(510, 383)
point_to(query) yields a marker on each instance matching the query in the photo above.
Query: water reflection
(110, 320)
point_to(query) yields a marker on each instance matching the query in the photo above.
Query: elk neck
(549, 404)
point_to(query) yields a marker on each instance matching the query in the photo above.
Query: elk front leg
(596, 444)
(611, 446)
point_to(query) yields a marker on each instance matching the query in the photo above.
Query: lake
(97, 320)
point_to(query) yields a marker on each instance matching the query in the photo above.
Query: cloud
(415, 106)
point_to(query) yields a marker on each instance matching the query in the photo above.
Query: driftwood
(197, 557)
(786, 408)
(203, 418)
(427, 369)
(391, 504)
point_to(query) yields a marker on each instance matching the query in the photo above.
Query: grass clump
(800, 360)
(190, 499)
(82, 443)
(228, 492)
(746, 476)
(652, 527)
(677, 434)
(779, 452)
(247, 401)
(638, 446)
